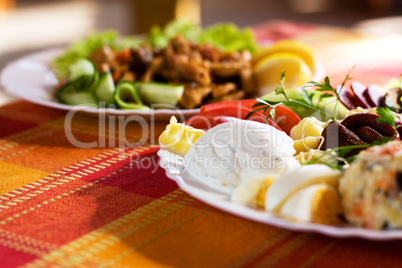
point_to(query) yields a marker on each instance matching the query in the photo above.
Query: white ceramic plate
(174, 170)
(31, 79)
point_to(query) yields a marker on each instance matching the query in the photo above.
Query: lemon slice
(268, 71)
(301, 49)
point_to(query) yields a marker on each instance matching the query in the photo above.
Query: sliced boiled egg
(290, 183)
(252, 192)
(317, 203)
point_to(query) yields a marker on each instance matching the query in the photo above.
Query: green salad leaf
(228, 37)
(225, 36)
(159, 37)
(83, 48)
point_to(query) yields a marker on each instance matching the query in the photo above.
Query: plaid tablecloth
(106, 206)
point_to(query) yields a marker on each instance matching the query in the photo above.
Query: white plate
(173, 166)
(31, 79)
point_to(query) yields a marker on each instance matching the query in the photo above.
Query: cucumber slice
(157, 93)
(83, 75)
(104, 91)
(82, 67)
(126, 97)
(68, 95)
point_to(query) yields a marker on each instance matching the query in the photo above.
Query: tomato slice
(206, 122)
(285, 118)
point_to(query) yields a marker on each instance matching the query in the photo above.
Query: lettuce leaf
(228, 37)
(159, 37)
(84, 48)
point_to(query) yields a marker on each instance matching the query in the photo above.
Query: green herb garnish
(304, 100)
(326, 86)
(386, 117)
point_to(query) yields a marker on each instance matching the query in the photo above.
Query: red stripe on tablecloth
(30, 112)
(317, 246)
(13, 258)
(10, 126)
(60, 215)
(361, 253)
(144, 177)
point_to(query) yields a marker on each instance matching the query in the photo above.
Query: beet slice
(373, 95)
(336, 135)
(345, 97)
(367, 134)
(357, 92)
(398, 125)
(358, 120)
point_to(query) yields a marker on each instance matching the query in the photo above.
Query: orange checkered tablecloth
(106, 206)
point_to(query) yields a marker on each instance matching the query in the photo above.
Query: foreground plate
(172, 163)
(31, 79)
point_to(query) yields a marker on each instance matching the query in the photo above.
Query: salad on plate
(182, 65)
(321, 154)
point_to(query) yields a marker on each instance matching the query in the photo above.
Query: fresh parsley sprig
(340, 156)
(385, 116)
(305, 101)
(326, 87)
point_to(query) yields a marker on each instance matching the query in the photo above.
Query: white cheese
(239, 150)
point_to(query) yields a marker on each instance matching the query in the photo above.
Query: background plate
(173, 166)
(31, 79)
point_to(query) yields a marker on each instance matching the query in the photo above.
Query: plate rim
(47, 55)
(269, 219)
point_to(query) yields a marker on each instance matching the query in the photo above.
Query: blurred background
(31, 25)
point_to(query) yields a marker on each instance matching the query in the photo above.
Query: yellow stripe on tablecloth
(154, 233)
(54, 180)
(106, 245)
(285, 250)
(24, 243)
(317, 255)
(132, 131)
(261, 248)
(14, 176)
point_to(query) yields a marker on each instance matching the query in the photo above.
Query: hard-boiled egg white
(288, 184)
(252, 192)
(317, 203)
